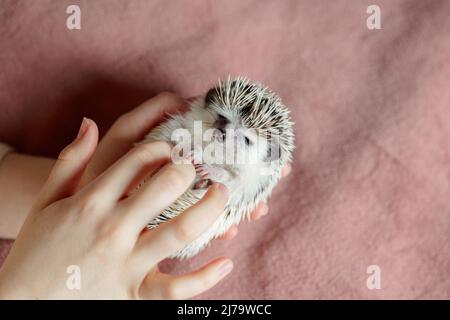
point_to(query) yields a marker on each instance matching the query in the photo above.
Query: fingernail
(83, 128)
(225, 268)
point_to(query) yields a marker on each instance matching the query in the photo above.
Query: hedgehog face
(232, 153)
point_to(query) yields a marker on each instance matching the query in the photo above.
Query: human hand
(101, 230)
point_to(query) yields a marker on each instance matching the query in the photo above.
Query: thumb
(65, 176)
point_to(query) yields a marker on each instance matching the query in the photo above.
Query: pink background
(371, 177)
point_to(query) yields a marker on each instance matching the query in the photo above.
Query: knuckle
(147, 152)
(122, 122)
(163, 146)
(110, 234)
(68, 218)
(89, 204)
(122, 128)
(89, 174)
(144, 153)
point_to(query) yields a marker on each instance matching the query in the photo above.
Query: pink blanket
(371, 177)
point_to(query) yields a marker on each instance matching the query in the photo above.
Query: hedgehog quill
(251, 138)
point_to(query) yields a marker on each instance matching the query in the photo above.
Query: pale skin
(81, 198)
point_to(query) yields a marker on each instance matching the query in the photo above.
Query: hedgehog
(249, 135)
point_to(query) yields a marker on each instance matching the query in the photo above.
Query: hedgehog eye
(221, 117)
(247, 141)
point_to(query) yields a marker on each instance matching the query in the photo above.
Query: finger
(166, 186)
(261, 210)
(130, 128)
(173, 235)
(70, 165)
(187, 285)
(230, 233)
(140, 161)
(286, 170)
